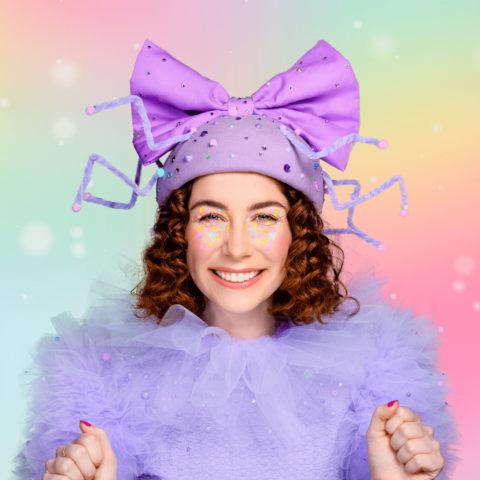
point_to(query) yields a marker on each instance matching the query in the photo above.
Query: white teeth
(237, 278)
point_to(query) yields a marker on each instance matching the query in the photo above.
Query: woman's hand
(89, 457)
(400, 447)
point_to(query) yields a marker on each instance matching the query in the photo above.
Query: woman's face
(238, 221)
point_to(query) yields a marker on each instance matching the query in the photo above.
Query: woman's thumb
(109, 457)
(382, 413)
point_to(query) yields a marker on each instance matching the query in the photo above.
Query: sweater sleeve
(72, 376)
(402, 365)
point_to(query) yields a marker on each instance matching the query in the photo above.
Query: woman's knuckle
(400, 411)
(403, 428)
(63, 464)
(77, 452)
(410, 446)
(437, 445)
(90, 439)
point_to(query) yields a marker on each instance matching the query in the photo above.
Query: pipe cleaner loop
(97, 158)
(107, 203)
(356, 201)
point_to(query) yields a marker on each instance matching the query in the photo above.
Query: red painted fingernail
(86, 423)
(390, 404)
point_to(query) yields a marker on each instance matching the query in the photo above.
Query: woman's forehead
(233, 189)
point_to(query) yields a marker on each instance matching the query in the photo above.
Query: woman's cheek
(269, 235)
(204, 235)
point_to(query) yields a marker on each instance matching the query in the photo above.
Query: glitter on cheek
(264, 231)
(210, 229)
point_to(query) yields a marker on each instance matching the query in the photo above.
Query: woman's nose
(238, 239)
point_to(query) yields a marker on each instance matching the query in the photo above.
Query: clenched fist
(400, 447)
(90, 456)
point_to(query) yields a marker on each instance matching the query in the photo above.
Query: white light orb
(458, 286)
(78, 249)
(64, 74)
(464, 265)
(63, 128)
(77, 232)
(37, 238)
(382, 43)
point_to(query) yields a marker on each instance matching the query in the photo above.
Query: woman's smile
(240, 281)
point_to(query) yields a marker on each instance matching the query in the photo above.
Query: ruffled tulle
(186, 400)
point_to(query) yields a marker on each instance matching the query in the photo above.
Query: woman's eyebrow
(255, 206)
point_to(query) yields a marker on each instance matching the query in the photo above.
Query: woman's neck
(242, 325)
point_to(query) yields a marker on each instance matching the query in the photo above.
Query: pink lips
(237, 286)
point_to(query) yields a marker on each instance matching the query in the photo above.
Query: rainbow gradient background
(418, 66)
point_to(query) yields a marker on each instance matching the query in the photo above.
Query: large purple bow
(318, 97)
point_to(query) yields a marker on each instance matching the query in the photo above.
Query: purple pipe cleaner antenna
(97, 158)
(356, 201)
(106, 203)
(353, 137)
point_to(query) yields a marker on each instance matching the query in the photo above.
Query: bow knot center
(240, 106)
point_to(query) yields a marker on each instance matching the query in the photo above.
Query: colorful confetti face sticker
(263, 226)
(209, 225)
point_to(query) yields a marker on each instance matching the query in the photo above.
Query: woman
(203, 373)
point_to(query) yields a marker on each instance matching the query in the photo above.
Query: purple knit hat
(307, 113)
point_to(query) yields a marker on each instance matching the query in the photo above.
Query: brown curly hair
(311, 287)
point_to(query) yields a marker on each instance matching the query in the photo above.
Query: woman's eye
(208, 217)
(268, 217)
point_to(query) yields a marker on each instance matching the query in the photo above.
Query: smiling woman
(301, 274)
(201, 372)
